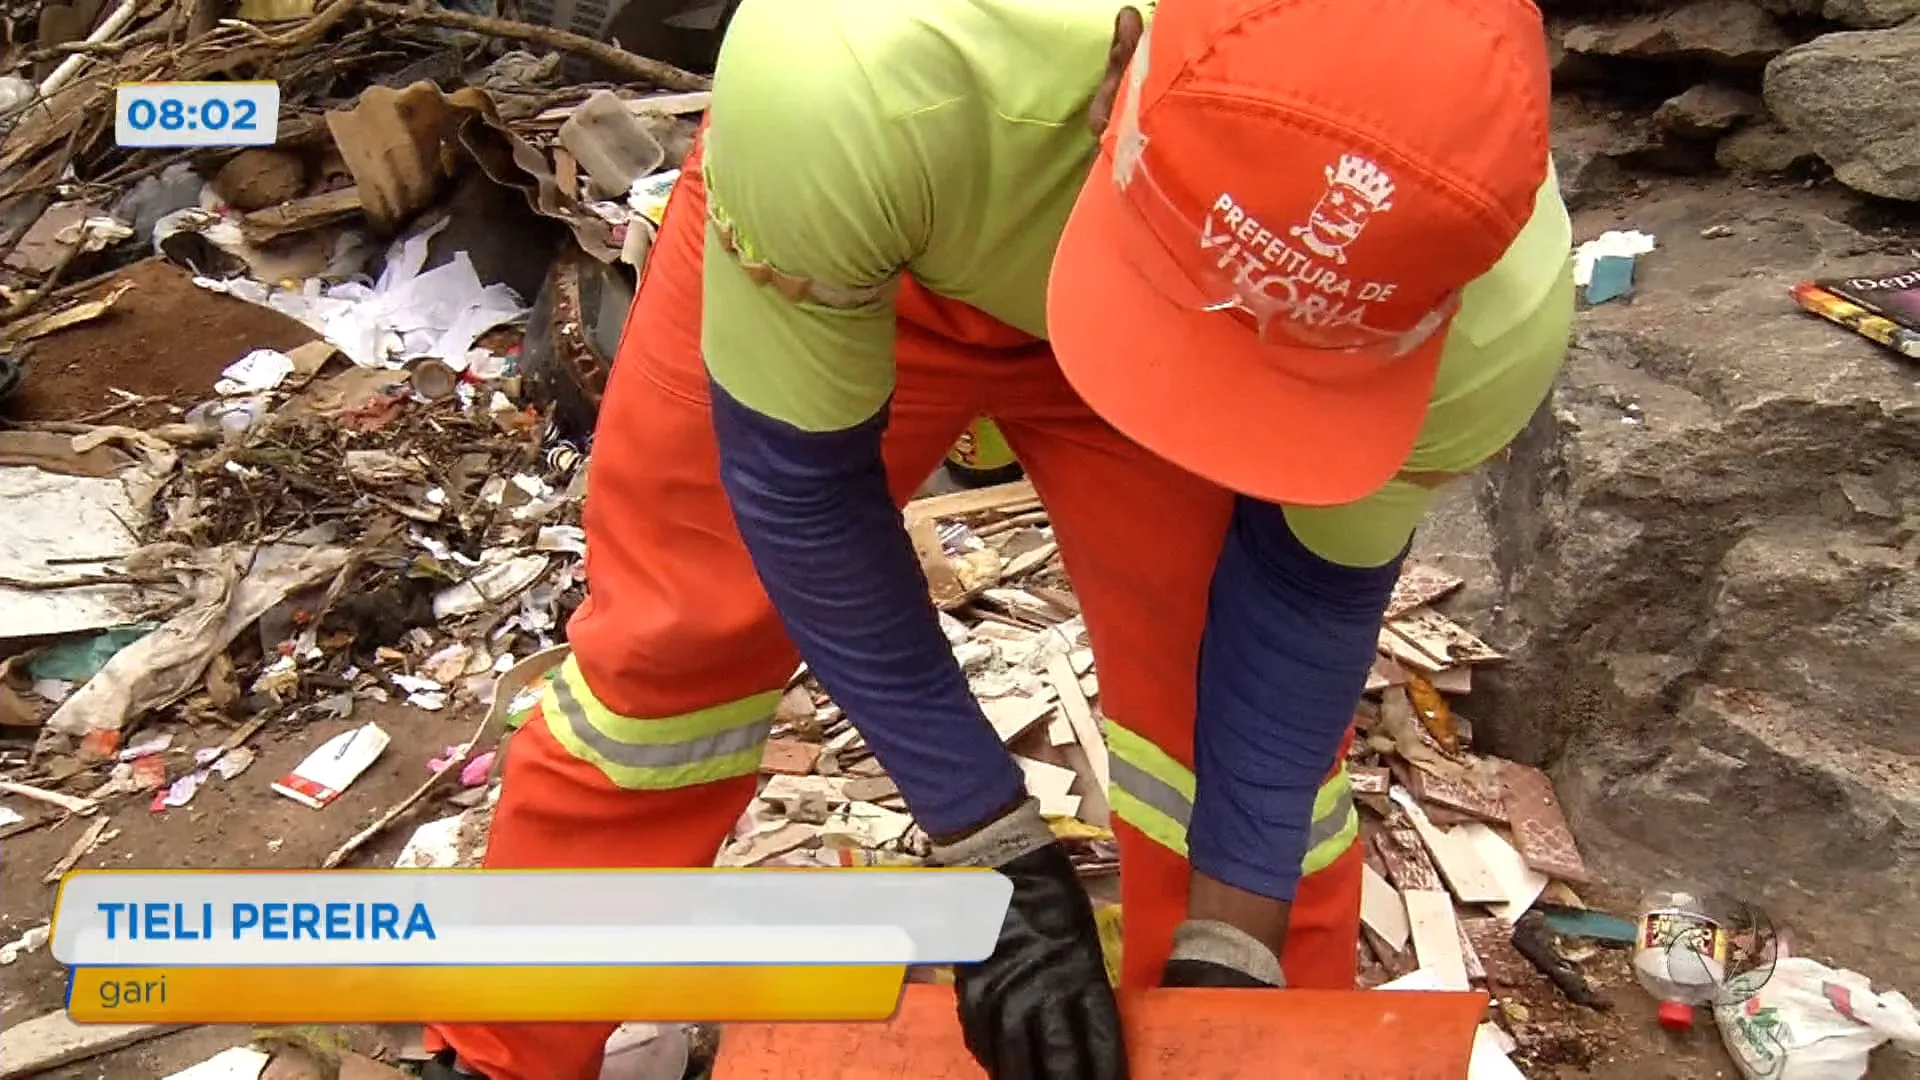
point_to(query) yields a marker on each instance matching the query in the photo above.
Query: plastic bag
(1802, 1020)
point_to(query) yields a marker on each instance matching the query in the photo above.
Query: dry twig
(638, 67)
(452, 769)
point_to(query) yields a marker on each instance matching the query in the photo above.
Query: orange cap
(1366, 158)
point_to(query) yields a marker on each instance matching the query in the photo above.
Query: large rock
(1870, 14)
(1706, 111)
(1705, 553)
(1859, 14)
(1855, 98)
(1595, 150)
(1763, 149)
(1732, 34)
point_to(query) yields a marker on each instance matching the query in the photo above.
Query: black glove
(1040, 1007)
(1215, 954)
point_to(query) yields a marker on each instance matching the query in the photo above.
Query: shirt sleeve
(1298, 592)
(814, 209)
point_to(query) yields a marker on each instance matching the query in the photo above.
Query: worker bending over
(1241, 287)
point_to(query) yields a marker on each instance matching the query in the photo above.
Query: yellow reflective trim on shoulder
(698, 747)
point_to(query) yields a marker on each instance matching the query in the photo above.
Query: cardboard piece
(1171, 1035)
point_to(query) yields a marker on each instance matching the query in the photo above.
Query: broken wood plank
(1386, 672)
(973, 501)
(1442, 639)
(943, 581)
(1094, 808)
(300, 215)
(1436, 936)
(1455, 681)
(1050, 784)
(1016, 714)
(1407, 653)
(1419, 586)
(1023, 602)
(1086, 729)
(1466, 876)
(72, 804)
(49, 1041)
(1059, 730)
(83, 844)
(1382, 910)
(1027, 562)
(1540, 827)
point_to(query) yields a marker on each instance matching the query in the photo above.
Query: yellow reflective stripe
(1144, 757)
(698, 747)
(1158, 827)
(1153, 792)
(1149, 789)
(1336, 824)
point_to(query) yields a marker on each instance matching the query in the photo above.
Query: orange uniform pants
(676, 621)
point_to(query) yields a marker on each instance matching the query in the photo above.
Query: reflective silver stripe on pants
(659, 755)
(1151, 790)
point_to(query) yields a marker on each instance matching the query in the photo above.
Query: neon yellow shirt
(852, 140)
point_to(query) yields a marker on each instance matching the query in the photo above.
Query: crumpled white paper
(259, 370)
(407, 314)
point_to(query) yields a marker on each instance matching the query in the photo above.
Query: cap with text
(1258, 276)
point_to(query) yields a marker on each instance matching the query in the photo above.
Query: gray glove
(1209, 953)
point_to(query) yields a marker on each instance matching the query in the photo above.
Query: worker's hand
(1040, 1007)
(1216, 954)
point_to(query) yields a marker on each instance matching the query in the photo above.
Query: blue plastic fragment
(1597, 925)
(1612, 278)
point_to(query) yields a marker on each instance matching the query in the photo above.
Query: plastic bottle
(1680, 955)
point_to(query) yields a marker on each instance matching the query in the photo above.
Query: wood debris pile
(1459, 847)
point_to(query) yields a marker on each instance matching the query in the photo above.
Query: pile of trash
(275, 434)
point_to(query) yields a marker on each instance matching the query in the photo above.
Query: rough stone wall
(1777, 87)
(1703, 556)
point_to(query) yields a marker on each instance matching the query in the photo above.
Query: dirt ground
(166, 337)
(238, 824)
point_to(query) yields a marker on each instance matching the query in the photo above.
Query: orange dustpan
(1171, 1035)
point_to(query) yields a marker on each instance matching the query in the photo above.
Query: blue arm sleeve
(1290, 637)
(820, 525)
